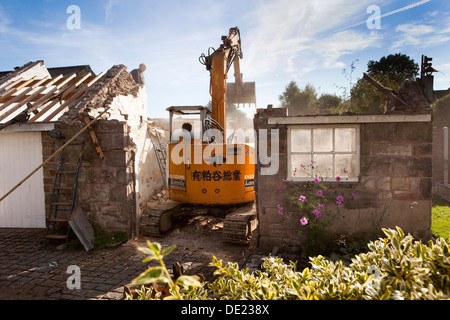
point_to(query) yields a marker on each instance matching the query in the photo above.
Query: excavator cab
(203, 169)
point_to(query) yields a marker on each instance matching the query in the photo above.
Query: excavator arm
(218, 63)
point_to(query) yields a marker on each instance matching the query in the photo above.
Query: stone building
(118, 172)
(385, 160)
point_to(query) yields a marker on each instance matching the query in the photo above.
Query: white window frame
(290, 175)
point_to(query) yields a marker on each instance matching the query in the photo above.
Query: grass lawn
(440, 224)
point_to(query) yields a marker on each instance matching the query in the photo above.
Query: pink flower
(320, 206)
(319, 192)
(302, 198)
(354, 196)
(317, 180)
(280, 209)
(304, 221)
(338, 178)
(317, 213)
(313, 162)
(345, 171)
(302, 166)
(339, 199)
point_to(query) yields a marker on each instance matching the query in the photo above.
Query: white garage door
(20, 154)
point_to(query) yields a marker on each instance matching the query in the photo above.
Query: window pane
(301, 140)
(324, 165)
(323, 140)
(297, 160)
(345, 139)
(345, 165)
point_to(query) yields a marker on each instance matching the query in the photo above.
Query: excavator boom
(218, 64)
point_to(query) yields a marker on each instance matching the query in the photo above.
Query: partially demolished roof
(410, 97)
(42, 97)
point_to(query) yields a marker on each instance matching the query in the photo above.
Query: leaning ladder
(160, 153)
(59, 215)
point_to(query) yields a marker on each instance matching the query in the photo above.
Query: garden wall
(393, 187)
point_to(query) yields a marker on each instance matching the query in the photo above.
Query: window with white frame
(329, 152)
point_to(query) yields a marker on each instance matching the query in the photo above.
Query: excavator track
(157, 219)
(239, 221)
(239, 225)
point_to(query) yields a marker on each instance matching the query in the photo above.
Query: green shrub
(395, 267)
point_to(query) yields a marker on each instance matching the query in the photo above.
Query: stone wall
(393, 187)
(106, 186)
(49, 170)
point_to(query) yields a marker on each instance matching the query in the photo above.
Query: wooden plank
(63, 97)
(19, 105)
(66, 103)
(19, 87)
(9, 86)
(50, 105)
(21, 95)
(42, 100)
(77, 95)
(94, 138)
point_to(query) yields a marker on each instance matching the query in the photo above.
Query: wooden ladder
(160, 153)
(63, 198)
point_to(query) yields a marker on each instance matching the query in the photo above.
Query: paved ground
(29, 271)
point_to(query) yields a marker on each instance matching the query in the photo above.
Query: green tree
(391, 71)
(329, 103)
(397, 67)
(299, 101)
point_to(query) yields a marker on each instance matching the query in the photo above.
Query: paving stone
(103, 274)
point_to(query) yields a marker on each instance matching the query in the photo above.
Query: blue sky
(308, 41)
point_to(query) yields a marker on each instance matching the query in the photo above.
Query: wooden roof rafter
(28, 99)
(28, 96)
(77, 95)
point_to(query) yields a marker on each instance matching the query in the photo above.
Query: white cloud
(414, 29)
(299, 37)
(416, 34)
(4, 20)
(445, 66)
(109, 7)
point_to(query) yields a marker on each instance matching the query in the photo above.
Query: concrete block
(393, 149)
(375, 166)
(377, 132)
(423, 150)
(414, 132)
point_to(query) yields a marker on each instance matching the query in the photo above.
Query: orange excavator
(203, 168)
(210, 170)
